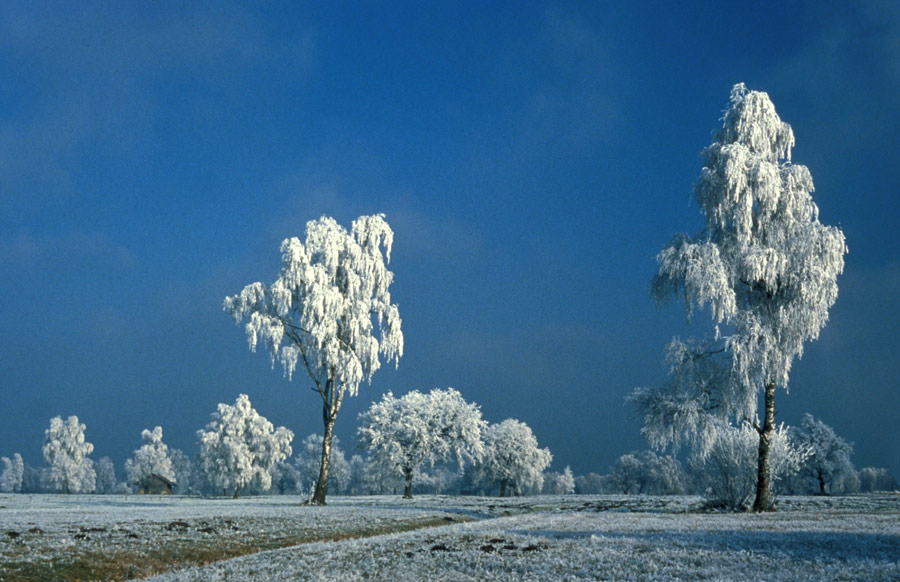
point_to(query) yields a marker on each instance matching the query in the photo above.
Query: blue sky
(532, 158)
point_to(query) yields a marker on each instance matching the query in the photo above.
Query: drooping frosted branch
(331, 292)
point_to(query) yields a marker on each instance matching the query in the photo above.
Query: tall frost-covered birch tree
(766, 269)
(329, 311)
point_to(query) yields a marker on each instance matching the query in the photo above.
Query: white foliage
(308, 462)
(727, 469)
(647, 473)
(13, 472)
(106, 476)
(66, 452)
(320, 309)
(559, 483)
(876, 479)
(764, 266)
(181, 466)
(512, 457)
(151, 458)
(829, 462)
(239, 446)
(403, 433)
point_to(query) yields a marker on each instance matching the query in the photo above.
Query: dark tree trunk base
(763, 501)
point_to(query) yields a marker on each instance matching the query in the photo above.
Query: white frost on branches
(319, 312)
(308, 464)
(151, 458)
(829, 459)
(322, 310)
(403, 433)
(727, 467)
(13, 472)
(239, 446)
(512, 458)
(764, 266)
(66, 452)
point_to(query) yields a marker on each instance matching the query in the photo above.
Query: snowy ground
(540, 538)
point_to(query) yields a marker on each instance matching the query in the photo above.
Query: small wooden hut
(155, 485)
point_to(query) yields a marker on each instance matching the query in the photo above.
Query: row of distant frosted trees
(432, 442)
(435, 442)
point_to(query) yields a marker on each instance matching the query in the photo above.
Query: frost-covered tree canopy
(726, 472)
(646, 472)
(319, 311)
(66, 452)
(106, 476)
(308, 464)
(764, 266)
(322, 312)
(512, 457)
(829, 454)
(402, 433)
(151, 458)
(239, 446)
(12, 474)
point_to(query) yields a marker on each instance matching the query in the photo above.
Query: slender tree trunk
(331, 404)
(237, 491)
(821, 483)
(408, 474)
(502, 487)
(322, 483)
(763, 500)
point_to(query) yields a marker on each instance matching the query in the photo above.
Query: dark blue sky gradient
(532, 159)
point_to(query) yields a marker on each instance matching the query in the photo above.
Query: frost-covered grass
(87, 537)
(533, 538)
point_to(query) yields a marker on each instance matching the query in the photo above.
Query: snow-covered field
(533, 538)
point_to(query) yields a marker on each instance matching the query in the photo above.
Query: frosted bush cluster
(512, 458)
(66, 452)
(402, 433)
(239, 446)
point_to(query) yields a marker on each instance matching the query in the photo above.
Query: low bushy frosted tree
(404, 433)
(828, 464)
(321, 313)
(183, 469)
(646, 473)
(152, 458)
(239, 446)
(766, 269)
(106, 476)
(512, 458)
(559, 483)
(725, 470)
(66, 454)
(308, 461)
(594, 483)
(360, 478)
(12, 474)
(876, 479)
